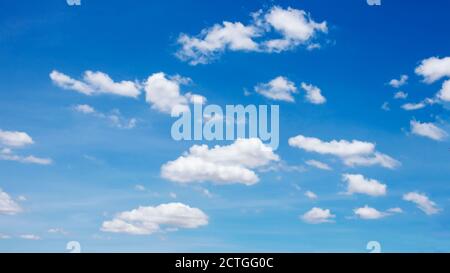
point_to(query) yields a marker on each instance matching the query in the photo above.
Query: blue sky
(90, 164)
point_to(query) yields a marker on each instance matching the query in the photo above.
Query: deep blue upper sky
(96, 166)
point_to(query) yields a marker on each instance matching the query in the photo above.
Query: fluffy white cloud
(356, 183)
(318, 216)
(7, 154)
(400, 82)
(14, 139)
(311, 195)
(164, 95)
(279, 88)
(352, 153)
(294, 26)
(318, 165)
(222, 164)
(215, 40)
(427, 130)
(148, 220)
(313, 94)
(96, 83)
(422, 201)
(369, 213)
(115, 118)
(400, 95)
(8, 205)
(444, 93)
(434, 68)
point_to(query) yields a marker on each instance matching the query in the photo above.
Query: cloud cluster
(13, 139)
(292, 27)
(400, 82)
(148, 220)
(8, 205)
(318, 216)
(422, 201)
(434, 69)
(280, 88)
(234, 163)
(352, 153)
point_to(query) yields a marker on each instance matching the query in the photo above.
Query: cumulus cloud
(294, 27)
(357, 183)
(428, 130)
(279, 88)
(163, 93)
(444, 93)
(234, 163)
(8, 205)
(434, 68)
(313, 94)
(369, 213)
(317, 164)
(95, 83)
(400, 95)
(148, 220)
(318, 216)
(115, 118)
(352, 153)
(15, 139)
(400, 82)
(422, 201)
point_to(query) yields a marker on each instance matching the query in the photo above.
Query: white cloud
(444, 93)
(30, 237)
(356, 183)
(15, 139)
(279, 88)
(57, 231)
(84, 108)
(400, 82)
(222, 164)
(114, 117)
(427, 130)
(395, 210)
(422, 201)
(434, 68)
(318, 165)
(8, 205)
(148, 220)
(4, 237)
(318, 216)
(215, 40)
(8, 154)
(369, 213)
(311, 195)
(139, 187)
(96, 83)
(352, 153)
(164, 95)
(313, 94)
(294, 26)
(413, 106)
(400, 95)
